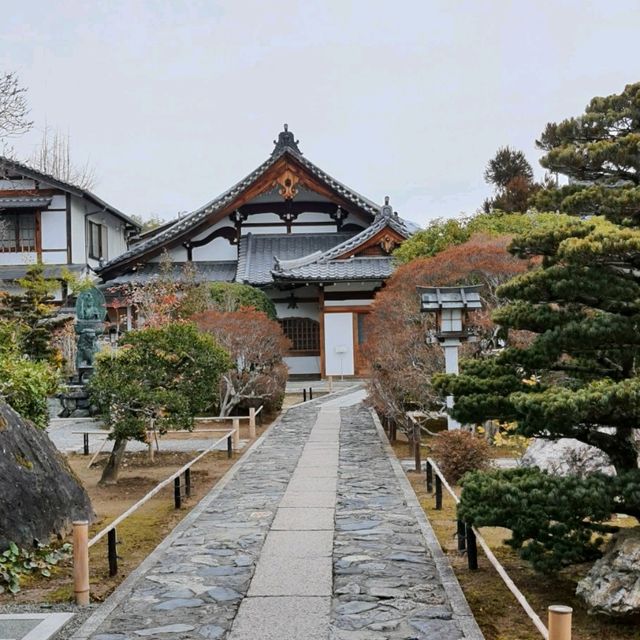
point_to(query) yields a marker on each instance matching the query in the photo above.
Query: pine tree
(578, 375)
(33, 311)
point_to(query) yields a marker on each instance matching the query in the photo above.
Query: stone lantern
(450, 306)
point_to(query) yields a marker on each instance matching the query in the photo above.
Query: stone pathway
(314, 535)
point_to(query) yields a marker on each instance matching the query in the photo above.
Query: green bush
(232, 296)
(555, 521)
(24, 383)
(458, 452)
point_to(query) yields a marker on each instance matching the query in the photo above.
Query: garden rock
(41, 496)
(566, 456)
(612, 587)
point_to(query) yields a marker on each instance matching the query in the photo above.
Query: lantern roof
(437, 298)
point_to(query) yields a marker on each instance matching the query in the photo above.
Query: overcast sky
(172, 102)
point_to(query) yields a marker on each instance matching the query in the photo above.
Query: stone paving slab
(287, 576)
(290, 544)
(283, 619)
(303, 519)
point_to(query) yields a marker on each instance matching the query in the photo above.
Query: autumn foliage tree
(257, 347)
(401, 361)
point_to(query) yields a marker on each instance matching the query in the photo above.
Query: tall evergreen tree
(578, 376)
(511, 175)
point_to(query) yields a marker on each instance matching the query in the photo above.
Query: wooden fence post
(461, 534)
(112, 551)
(81, 562)
(429, 474)
(416, 446)
(472, 548)
(177, 495)
(252, 422)
(236, 434)
(304, 394)
(230, 446)
(560, 622)
(187, 482)
(438, 492)
(310, 393)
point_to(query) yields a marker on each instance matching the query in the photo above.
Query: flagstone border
(459, 605)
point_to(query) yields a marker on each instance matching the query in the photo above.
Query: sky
(172, 102)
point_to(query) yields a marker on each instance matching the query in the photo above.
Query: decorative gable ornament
(288, 182)
(388, 243)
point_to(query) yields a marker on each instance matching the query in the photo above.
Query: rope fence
(468, 537)
(82, 544)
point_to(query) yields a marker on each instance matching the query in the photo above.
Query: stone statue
(90, 313)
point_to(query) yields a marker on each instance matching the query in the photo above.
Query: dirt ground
(498, 613)
(139, 534)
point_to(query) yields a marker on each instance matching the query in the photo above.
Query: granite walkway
(315, 535)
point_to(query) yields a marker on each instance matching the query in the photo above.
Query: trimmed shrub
(458, 452)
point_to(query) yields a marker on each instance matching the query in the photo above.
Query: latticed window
(17, 231)
(304, 334)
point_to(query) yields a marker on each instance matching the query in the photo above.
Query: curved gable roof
(181, 227)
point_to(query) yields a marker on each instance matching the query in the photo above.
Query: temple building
(317, 248)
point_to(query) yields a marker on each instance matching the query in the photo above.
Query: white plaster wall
(311, 229)
(116, 242)
(338, 335)
(78, 250)
(304, 310)
(58, 202)
(347, 303)
(27, 257)
(303, 364)
(17, 184)
(217, 249)
(177, 254)
(54, 257)
(54, 230)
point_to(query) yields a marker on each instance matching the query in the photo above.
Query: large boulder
(566, 456)
(612, 587)
(41, 496)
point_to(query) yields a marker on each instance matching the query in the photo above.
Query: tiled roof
(256, 253)
(378, 268)
(399, 225)
(12, 272)
(34, 174)
(24, 202)
(204, 272)
(192, 220)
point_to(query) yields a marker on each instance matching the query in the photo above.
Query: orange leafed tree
(257, 347)
(400, 359)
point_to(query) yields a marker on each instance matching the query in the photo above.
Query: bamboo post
(81, 562)
(85, 444)
(560, 622)
(252, 422)
(236, 434)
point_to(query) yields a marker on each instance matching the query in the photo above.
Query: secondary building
(46, 220)
(317, 248)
